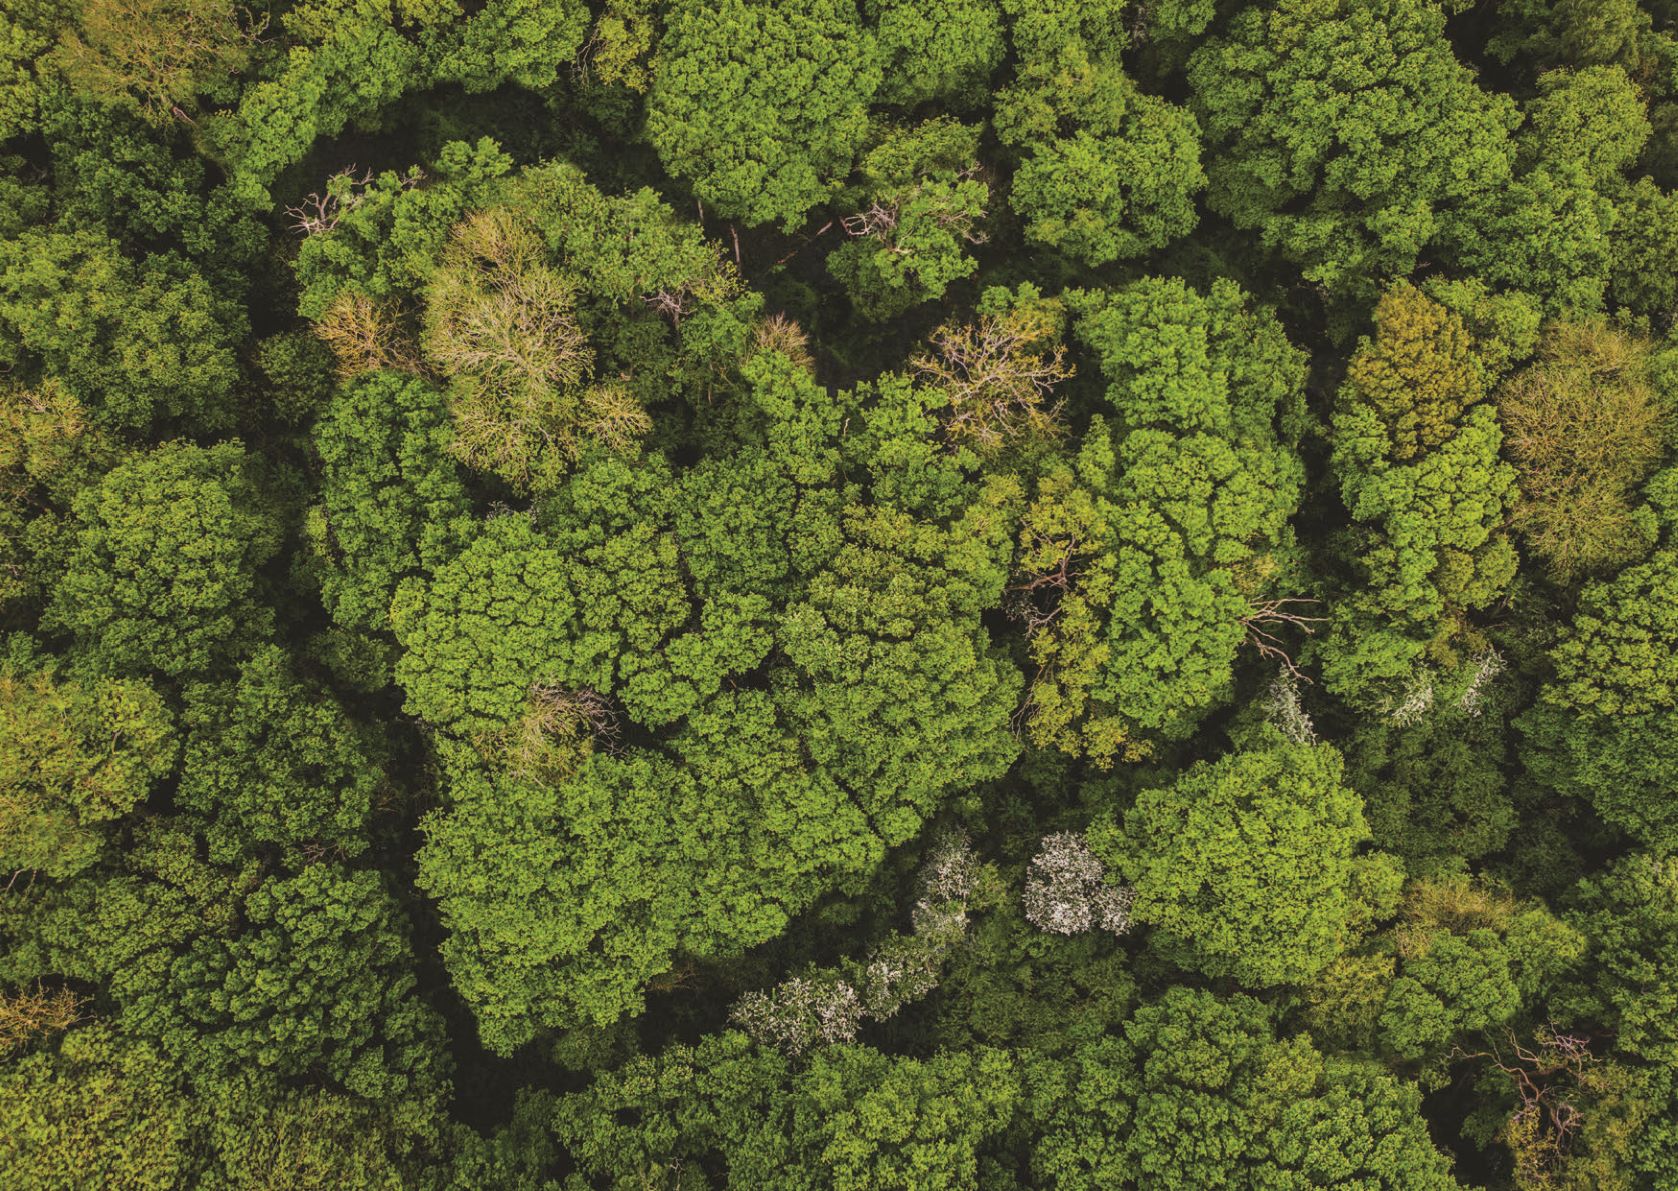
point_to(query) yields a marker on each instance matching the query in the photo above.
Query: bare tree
(1266, 617)
(998, 375)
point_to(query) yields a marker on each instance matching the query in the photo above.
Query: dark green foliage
(270, 762)
(1346, 133)
(839, 594)
(163, 571)
(391, 499)
(852, 1118)
(133, 340)
(761, 107)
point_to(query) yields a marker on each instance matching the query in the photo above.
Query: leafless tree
(1267, 616)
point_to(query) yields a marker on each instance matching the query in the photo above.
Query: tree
(74, 756)
(1470, 957)
(945, 51)
(159, 55)
(1347, 134)
(162, 574)
(921, 205)
(1585, 428)
(1200, 1092)
(1244, 865)
(270, 761)
(26, 34)
(1143, 563)
(320, 980)
(500, 325)
(762, 107)
(98, 1108)
(1627, 913)
(1601, 730)
(1594, 118)
(514, 611)
(852, 1118)
(132, 340)
(1109, 172)
(392, 501)
(1416, 450)
(1646, 229)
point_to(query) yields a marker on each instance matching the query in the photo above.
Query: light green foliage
(1416, 451)
(1586, 425)
(762, 106)
(392, 502)
(390, 238)
(74, 756)
(98, 1111)
(162, 573)
(272, 761)
(1616, 659)
(308, 1138)
(514, 611)
(1418, 373)
(155, 55)
(1244, 865)
(1547, 233)
(1171, 527)
(26, 32)
(919, 210)
(133, 340)
(1346, 133)
(1109, 172)
(500, 325)
(943, 50)
(1042, 28)
(556, 315)
(1593, 118)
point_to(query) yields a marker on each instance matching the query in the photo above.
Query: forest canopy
(860, 594)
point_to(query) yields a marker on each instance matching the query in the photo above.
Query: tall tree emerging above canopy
(1416, 452)
(1244, 866)
(1144, 561)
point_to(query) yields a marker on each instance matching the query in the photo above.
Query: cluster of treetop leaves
(839, 593)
